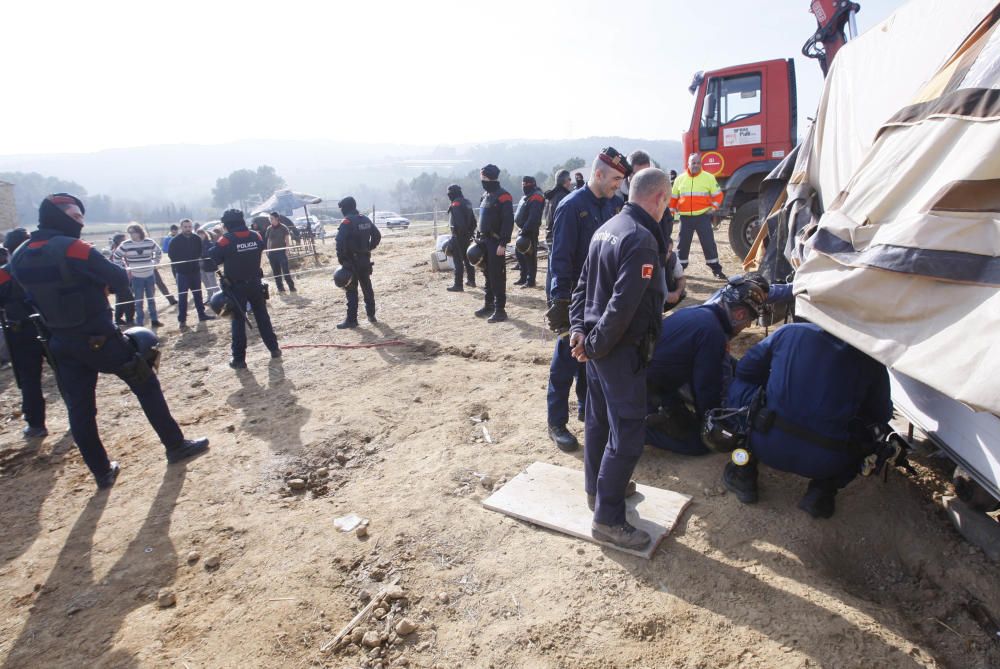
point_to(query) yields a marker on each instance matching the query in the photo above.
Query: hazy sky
(85, 76)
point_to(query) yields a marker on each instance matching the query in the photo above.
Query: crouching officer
(66, 280)
(818, 408)
(357, 237)
(528, 219)
(26, 352)
(496, 225)
(615, 319)
(462, 221)
(691, 364)
(239, 251)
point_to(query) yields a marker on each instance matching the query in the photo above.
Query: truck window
(740, 97)
(708, 134)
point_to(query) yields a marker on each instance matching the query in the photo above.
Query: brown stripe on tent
(956, 266)
(971, 196)
(950, 76)
(970, 103)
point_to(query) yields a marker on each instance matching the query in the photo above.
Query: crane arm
(832, 16)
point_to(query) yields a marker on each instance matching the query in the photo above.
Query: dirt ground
(262, 578)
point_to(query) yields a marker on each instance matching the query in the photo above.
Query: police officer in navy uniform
(66, 280)
(823, 410)
(528, 219)
(26, 352)
(462, 221)
(496, 225)
(239, 251)
(576, 218)
(615, 319)
(691, 364)
(357, 237)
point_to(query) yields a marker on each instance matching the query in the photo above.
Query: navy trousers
(495, 271)
(613, 437)
(79, 359)
(562, 371)
(26, 356)
(189, 281)
(363, 279)
(702, 224)
(252, 293)
(460, 259)
(528, 263)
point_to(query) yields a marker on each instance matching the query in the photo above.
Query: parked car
(311, 222)
(391, 220)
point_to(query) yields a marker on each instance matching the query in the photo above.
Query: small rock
(405, 627)
(379, 613)
(326, 627)
(296, 484)
(484, 415)
(341, 458)
(322, 472)
(378, 575)
(212, 562)
(370, 450)
(371, 639)
(394, 592)
(423, 647)
(165, 599)
(488, 482)
(230, 428)
(376, 652)
(357, 634)
(361, 532)
(580, 551)
(193, 557)
(443, 597)
(365, 596)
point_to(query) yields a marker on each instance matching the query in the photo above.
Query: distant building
(8, 212)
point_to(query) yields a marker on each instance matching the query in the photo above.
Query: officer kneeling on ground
(65, 279)
(357, 237)
(818, 408)
(239, 252)
(691, 364)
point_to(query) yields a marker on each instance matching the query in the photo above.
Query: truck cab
(743, 124)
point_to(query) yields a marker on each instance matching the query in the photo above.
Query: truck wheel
(743, 228)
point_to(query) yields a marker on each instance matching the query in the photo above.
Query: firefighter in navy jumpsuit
(67, 281)
(615, 318)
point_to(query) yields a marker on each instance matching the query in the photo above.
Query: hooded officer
(615, 318)
(357, 237)
(496, 225)
(691, 364)
(66, 280)
(239, 251)
(26, 352)
(819, 407)
(564, 184)
(528, 219)
(462, 221)
(577, 216)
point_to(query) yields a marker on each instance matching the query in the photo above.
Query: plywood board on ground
(553, 497)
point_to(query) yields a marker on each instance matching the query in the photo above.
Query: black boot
(818, 501)
(499, 316)
(236, 363)
(471, 283)
(718, 273)
(563, 438)
(623, 536)
(520, 282)
(484, 312)
(108, 479)
(188, 449)
(457, 288)
(371, 318)
(741, 481)
(348, 324)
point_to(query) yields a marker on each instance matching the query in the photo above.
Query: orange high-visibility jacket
(694, 195)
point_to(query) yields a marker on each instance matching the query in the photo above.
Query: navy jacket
(36, 267)
(692, 350)
(619, 298)
(357, 237)
(185, 251)
(577, 217)
(496, 216)
(528, 216)
(552, 199)
(462, 219)
(816, 381)
(239, 251)
(12, 299)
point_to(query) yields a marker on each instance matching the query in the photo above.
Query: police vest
(51, 286)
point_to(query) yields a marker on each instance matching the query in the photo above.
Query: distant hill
(187, 172)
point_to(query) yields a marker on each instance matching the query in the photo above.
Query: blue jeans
(144, 287)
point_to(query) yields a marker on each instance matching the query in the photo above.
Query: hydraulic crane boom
(832, 16)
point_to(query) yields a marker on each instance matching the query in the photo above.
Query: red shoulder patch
(242, 234)
(257, 235)
(346, 221)
(78, 250)
(505, 198)
(456, 203)
(647, 271)
(536, 198)
(37, 245)
(223, 241)
(4, 277)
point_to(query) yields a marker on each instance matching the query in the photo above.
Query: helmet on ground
(476, 254)
(343, 277)
(146, 343)
(523, 244)
(449, 247)
(722, 430)
(221, 305)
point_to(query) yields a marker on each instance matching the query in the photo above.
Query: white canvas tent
(893, 206)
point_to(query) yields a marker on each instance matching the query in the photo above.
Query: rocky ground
(234, 560)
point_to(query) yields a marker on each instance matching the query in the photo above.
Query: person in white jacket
(141, 255)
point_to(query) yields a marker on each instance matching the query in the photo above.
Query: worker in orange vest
(696, 196)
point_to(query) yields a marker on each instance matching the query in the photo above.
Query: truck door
(731, 132)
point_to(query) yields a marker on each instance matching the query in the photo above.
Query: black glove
(557, 316)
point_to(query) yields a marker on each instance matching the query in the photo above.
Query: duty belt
(764, 419)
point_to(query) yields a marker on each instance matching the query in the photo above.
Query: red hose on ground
(374, 344)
